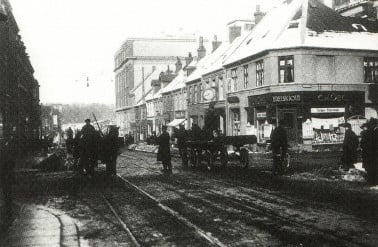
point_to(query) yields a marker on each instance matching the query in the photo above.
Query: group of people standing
(90, 145)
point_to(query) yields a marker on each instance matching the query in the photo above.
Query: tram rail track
(249, 206)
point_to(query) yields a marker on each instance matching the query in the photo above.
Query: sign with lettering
(286, 98)
(261, 115)
(328, 110)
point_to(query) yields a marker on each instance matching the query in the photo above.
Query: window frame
(233, 80)
(370, 70)
(245, 75)
(285, 67)
(259, 73)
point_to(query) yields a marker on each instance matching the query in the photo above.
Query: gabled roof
(177, 83)
(306, 23)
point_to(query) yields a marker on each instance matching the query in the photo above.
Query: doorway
(289, 117)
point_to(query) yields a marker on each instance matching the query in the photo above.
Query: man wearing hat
(367, 146)
(89, 147)
(164, 152)
(350, 146)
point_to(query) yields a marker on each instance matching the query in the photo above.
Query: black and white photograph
(188, 123)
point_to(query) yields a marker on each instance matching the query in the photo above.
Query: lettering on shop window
(286, 98)
(331, 97)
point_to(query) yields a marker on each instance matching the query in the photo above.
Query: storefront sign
(331, 97)
(261, 115)
(233, 99)
(286, 98)
(327, 110)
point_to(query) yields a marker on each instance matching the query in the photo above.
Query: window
(371, 69)
(233, 77)
(245, 73)
(195, 100)
(190, 95)
(286, 69)
(259, 73)
(200, 90)
(221, 89)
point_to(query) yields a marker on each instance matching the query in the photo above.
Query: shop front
(310, 117)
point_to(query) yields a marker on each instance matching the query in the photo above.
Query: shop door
(290, 118)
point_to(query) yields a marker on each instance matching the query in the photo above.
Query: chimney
(178, 65)
(216, 43)
(258, 14)
(188, 59)
(201, 49)
(233, 32)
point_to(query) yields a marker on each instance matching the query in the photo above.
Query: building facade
(315, 70)
(19, 101)
(134, 62)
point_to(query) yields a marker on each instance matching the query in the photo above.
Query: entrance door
(290, 118)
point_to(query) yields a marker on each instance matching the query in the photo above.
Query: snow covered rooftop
(306, 23)
(177, 83)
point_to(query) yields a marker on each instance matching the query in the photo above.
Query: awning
(176, 122)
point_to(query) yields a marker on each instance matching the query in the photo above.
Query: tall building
(135, 61)
(19, 90)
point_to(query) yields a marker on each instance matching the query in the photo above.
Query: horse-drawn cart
(216, 149)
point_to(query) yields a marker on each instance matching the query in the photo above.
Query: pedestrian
(374, 159)
(76, 152)
(69, 141)
(164, 152)
(89, 147)
(182, 137)
(279, 147)
(350, 146)
(7, 163)
(367, 147)
(110, 150)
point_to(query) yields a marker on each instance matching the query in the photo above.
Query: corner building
(308, 65)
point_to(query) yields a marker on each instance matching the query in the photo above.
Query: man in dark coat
(350, 146)
(89, 147)
(182, 137)
(367, 146)
(164, 151)
(279, 147)
(69, 141)
(110, 148)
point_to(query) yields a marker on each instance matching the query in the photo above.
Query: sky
(71, 42)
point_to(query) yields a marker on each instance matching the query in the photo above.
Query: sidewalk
(40, 226)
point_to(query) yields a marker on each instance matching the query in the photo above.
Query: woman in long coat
(164, 151)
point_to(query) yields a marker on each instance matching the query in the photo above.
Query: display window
(324, 130)
(235, 121)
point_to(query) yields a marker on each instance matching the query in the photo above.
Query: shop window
(286, 69)
(259, 73)
(371, 69)
(245, 75)
(236, 122)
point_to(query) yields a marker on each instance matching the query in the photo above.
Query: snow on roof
(177, 83)
(209, 60)
(306, 23)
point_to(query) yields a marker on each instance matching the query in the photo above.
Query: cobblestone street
(192, 207)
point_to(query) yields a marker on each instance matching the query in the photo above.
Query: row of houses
(302, 62)
(19, 90)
